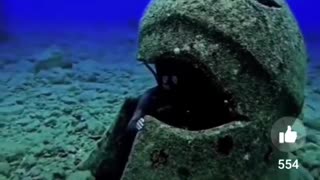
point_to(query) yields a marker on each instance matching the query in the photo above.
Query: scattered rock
(67, 110)
(33, 127)
(68, 100)
(310, 156)
(5, 168)
(58, 174)
(87, 96)
(300, 174)
(55, 113)
(92, 76)
(2, 177)
(56, 76)
(25, 121)
(11, 110)
(81, 116)
(317, 91)
(311, 108)
(22, 66)
(88, 66)
(44, 91)
(313, 136)
(52, 57)
(35, 171)
(70, 149)
(51, 122)
(80, 175)
(38, 150)
(112, 99)
(95, 128)
(29, 161)
(315, 172)
(94, 86)
(2, 124)
(19, 80)
(38, 115)
(4, 118)
(312, 123)
(13, 100)
(5, 77)
(80, 127)
(12, 150)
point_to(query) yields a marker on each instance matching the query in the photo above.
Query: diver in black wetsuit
(160, 102)
(176, 101)
(154, 102)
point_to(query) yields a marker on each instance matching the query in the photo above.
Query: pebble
(316, 90)
(4, 118)
(34, 126)
(81, 126)
(51, 122)
(58, 173)
(95, 128)
(300, 174)
(38, 150)
(81, 116)
(13, 151)
(44, 91)
(25, 121)
(5, 168)
(80, 175)
(68, 100)
(11, 110)
(313, 136)
(2, 177)
(67, 110)
(94, 86)
(112, 99)
(310, 158)
(87, 96)
(34, 171)
(312, 123)
(56, 76)
(315, 172)
(18, 80)
(13, 100)
(2, 124)
(70, 149)
(29, 161)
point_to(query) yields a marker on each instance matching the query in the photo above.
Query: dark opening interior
(270, 3)
(196, 102)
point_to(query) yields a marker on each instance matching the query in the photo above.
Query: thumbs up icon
(288, 137)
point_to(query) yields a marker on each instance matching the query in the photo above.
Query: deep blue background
(107, 11)
(60, 14)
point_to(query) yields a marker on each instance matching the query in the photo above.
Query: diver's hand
(140, 124)
(136, 125)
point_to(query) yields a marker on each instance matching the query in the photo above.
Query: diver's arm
(146, 101)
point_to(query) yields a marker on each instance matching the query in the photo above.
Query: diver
(176, 100)
(172, 101)
(161, 102)
(166, 101)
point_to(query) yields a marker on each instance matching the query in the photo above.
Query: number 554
(288, 164)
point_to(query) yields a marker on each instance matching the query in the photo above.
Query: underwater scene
(160, 90)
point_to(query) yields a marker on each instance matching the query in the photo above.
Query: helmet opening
(197, 101)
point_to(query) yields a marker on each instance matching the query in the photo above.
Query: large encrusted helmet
(248, 58)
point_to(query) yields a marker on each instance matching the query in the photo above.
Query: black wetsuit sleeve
(146, 103)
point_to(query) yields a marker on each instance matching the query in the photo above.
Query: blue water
(50, 120)
(97, 15)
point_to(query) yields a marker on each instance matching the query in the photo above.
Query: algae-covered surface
(60, 92)
(51, 118)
